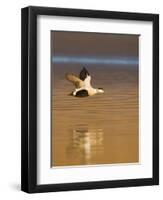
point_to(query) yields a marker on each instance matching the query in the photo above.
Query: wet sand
(102, 129)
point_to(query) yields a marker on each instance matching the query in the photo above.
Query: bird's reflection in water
(85, 145)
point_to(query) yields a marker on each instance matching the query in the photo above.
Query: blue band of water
(95, 60)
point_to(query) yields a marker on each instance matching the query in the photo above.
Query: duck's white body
(86, 86)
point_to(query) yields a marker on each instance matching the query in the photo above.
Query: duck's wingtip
(84, 69)
(83, 73)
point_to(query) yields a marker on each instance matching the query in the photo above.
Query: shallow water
(101, 129)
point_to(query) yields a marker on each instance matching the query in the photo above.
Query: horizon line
(114, 60)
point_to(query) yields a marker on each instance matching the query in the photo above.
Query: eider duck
(82, 84)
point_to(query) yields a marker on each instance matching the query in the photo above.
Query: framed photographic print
(90, 99)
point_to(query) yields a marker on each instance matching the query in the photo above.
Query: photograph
(94, 99)
(90, 99)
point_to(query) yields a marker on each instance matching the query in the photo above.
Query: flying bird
(82, 84)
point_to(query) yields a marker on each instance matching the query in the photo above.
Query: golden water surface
(102, 129)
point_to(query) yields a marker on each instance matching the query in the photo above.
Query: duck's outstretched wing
(75, 80)
(85, 76)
